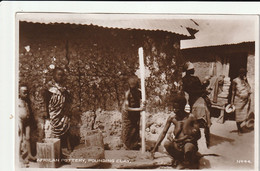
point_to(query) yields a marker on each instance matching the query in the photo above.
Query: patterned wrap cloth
(242, 99)
(58, 109)
(131, 121)
(201, 111)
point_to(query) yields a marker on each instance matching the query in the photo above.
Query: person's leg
(135, 136)
(126, 130)
(207, 135)
(64, 153)
(20, 134)
(169, 148)
(239, 129)
(190, 151)
(132, 128)
(221, 118)
(28, 144)
(67, 136)
(174, 153)
(52, 135)
(127, 134)
(204, 125)
(132, 137)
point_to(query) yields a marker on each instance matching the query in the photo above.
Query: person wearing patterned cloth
(58, 100)
(241, 92)
(131, 115)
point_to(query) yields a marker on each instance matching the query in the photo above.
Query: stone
(94, 138)
(84, 156)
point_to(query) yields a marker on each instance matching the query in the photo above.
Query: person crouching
(182, 143)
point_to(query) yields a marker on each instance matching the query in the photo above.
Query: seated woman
(182, 142)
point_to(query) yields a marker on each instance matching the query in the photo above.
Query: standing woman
(241, 92)
(196, 93)
(58, 101)
(131, 115)
(191, 84)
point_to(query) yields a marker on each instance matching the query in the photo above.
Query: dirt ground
(235, 152)
(228, 151)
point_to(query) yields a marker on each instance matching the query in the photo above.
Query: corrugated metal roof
(177, 26)
(209, 48)
(222, 31)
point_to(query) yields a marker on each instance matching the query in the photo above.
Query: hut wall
(203, 55)
(202, 63)
(251, 76)
(202, 69)
(97, 63)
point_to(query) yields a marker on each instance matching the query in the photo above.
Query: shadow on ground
(215, 140)
(244, 129)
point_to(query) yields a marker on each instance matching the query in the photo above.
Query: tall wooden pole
(142, 75)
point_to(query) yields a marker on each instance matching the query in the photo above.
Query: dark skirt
(130, 129)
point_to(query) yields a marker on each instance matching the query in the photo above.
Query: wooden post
(227, 67)
(211, 70)
(224, 71)
(142, 75)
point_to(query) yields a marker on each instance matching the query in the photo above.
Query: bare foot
(208, 144)
(175, 163)
(25, 161)
(31, 158)
(151, 156)
(181, 166)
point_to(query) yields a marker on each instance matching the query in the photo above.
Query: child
(182, 143)
(24, 124)
(131, 115)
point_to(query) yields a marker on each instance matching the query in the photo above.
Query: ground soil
(228, 151)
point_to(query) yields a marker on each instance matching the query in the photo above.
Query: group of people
(181, 142)
(57, 100)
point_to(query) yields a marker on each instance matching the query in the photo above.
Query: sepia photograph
(136, 91)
